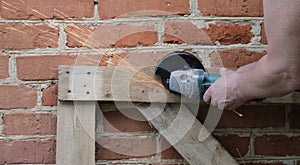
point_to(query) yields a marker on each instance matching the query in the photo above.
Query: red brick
(27, 9)
(149, 58)
(253, 117)
(228, 33)
(123, 148)
(46, 67)
(130, 58)
(235, 144)
(78, 36)
(27, 151)
(50, 95)
(263, 35)
(115, 121)
(29, 124)
(143, 38)
(294, 117)
(46, 9)
(20, 36)
(17, 97)
(243, 8)
(168, 151)
(111, 36)
(184, 32)
(4, 59)
(73, 9)
(234, 58)
(277, 145)
(132, 8)
(41, 67)
(115, 60)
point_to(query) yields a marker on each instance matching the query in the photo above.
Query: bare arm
(247, 67)
(277, 73)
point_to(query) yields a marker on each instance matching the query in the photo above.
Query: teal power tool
(183, 73)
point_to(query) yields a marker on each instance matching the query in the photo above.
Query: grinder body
(183, 73)
(191, 83)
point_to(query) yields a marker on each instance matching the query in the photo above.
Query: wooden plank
(90, 83)
(181, 128)
(75, 133)
(84, 83)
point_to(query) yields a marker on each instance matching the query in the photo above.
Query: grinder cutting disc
(176, 61)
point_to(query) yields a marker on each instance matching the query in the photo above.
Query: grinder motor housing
(183, 73)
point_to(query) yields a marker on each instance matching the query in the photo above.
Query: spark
(239, 114)
(240, 155)
(16, 30)
(9, 9)
(6, 3)
(60, 13)
(38, 12)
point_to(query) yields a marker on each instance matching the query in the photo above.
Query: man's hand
(225, 92)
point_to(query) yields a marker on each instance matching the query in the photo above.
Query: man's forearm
(279, 71)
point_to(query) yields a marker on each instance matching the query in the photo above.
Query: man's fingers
(207, 95)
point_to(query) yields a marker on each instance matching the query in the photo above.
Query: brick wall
(37, 36)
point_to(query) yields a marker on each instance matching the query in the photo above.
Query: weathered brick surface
(50, 95)
(34, 41)
(73, 9)
(234, 58)
(78, 36)
(117, 59)
(140, 38)
(253, 117)
(4, 60)
(41, 67)
(27, 9)
(131, 8)
(46, 9)
(111, 36)
(20, 36)
(277, 145)
(122, 148)
(228, 33)
(46, 67)
(184, 32)
(235, 145)
(149, 58)
(27, 151)
(116, 121)
(29, 124)
(231, 7)
(20, 96)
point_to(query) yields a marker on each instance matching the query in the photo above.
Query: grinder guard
(183, 73)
